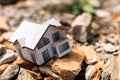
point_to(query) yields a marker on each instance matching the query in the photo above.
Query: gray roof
(28, 34)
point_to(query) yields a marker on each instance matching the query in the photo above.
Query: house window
(43, 42)
(63, 47)
(54, 50)
(55, 36)
(19, 51)
(46, 55)
(33, 58)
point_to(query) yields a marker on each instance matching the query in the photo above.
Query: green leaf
(89, 8)
(82, 3)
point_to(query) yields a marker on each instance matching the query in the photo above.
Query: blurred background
(91, 22)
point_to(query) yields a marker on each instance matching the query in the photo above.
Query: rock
(115, 75)
(7, 1)
(113, 38)
(67, 18)
(36, 69)
(68, 66)
(99, 68)
(24, 63)
(90, 71)
(9, 56)
(35, 75)
(48, 78)
(9, 45)
(24, 4)
(108, 65)
(97, 75)
(82, 20)
(81, 28)
(105, 75)
(2, 50)
(24, 75)
(105, 56)
(3, 24)
(3, 67)
(116, 9)
(95, 26)
(58, 2)
(93, 72)
(90, 54)
(79, 33)
(1, 39)
(47, 71)
(102, 14)
(10, 72)
(112, 68)
(99, 49)
(109, 47)
(7, 35)
(94, 3)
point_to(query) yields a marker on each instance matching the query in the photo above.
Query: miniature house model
(40, 42)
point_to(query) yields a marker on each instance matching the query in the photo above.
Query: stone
(95, 26)
(68, 18)
(93, 72)
(3, 67)
(58, 2)
(7, 35)
(3, 24)
(9, 45)
(102, 14)
(82, 20)
(99, 65)
(105, 56)
(90, 54)
(94, 3)
(115, 71)
(99, 49)
(112, 68)
(105, 75)
(79, 34)
(113, 38)
(24, 63)
(24, 75)
(68, 66)
(10, 72)
(1, 39)
(47, 71)
(80, 27)
(24, 4)
(2, 49)
(36, 69)
(9, 56)
(99, 68)
(97, 75)
(7, 2)
(90, 71)
(49, 78)
(35, 75)
(109, 47)
(116, 9)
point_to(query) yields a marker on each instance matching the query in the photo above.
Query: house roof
(28, 34)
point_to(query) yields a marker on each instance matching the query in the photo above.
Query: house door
(20, 53)
(33, 58)
(46, 55)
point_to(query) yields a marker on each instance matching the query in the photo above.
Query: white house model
(40, 42)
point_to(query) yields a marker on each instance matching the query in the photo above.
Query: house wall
(48, 35)
(25, 52)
